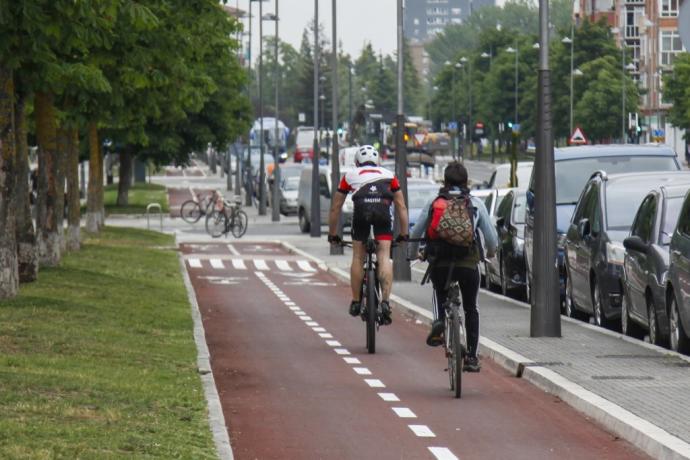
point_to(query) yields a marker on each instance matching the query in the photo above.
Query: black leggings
(468, 278)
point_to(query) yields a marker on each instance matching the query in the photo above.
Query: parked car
(288, 189)
(573, 168)
(594, 241)
(419, 192)
(507, 268)
(500, 178)
(325, 187)
(678, 287)
(645, 267)
(491, 198)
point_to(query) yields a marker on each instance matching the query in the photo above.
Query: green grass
(97, 358)
(140, 195)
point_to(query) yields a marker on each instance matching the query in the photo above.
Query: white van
(326, 188)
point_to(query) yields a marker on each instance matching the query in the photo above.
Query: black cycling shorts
(377, 215)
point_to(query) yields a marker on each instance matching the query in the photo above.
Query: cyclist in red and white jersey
(374, 190)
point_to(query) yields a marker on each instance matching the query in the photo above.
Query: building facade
(648, 29)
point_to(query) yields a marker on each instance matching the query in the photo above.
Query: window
(669, 46)
(643, 226)
(581, 210)
(684, 218)
(505, 208)
(669, 8)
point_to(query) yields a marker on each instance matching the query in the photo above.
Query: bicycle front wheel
(239, 224)
(372, 308)
(216, 223)
(458, 355)
(190, 211)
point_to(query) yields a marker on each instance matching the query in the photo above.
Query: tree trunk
(94, 203)
(125, 180)
(63, 148)
(9, 270)
(73, 203)
(46, 135)
(27, 251)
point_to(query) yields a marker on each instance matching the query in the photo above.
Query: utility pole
(275, 196)
(262, 165)
(315, 188)
(401, 267)
(545, 315)
(336, 249)
(248, 187)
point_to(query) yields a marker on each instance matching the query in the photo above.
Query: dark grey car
(643, 305)
(594, 251)
(678, 287)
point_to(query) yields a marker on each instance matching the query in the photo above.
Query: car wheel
(654, 336)
(597, 303)
(679, 340)
(304, 225)
(569, 308)
(628, 326)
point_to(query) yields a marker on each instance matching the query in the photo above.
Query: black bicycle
(192, 210)
(228, 218)
(455, 338)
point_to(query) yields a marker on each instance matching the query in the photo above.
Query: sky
(359, 21)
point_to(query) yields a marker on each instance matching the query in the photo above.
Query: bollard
(149, 207)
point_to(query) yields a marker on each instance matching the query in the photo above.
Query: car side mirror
(635, 243)
(583, 228)
(501, 222)
(530, 199)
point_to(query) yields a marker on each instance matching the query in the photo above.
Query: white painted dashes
(261, 264)
(404, 412)
(442, 453)
(295, 308)
(375, 383)
(194, 263)
(341, 351)
(351, 360)
(217, 264)
(389, 397)
(238, 264)
(311, 323)
(283, 265)
(305, 266)
(361, 370)
(325, 335)
(318, 329)
(422, 431)
(333, 343)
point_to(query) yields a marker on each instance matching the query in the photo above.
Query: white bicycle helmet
(367, 154)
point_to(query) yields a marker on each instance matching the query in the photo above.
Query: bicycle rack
(149, 207)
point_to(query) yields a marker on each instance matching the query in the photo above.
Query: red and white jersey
(356, 178)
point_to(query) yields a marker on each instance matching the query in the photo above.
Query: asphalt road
(295, 380)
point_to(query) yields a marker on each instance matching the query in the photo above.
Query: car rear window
(572, 175)
(621, 205)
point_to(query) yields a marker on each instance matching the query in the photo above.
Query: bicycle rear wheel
(216, 223)
(190, 211)
(458, 355)
(372, 308)
(239, 224)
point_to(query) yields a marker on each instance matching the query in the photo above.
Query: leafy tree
(677, 90)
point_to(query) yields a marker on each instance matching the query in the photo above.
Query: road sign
(453, 125)
(301, 117)
(516, 128)
(684, 23)
(479, 129)
(420, 138)
(578, 137)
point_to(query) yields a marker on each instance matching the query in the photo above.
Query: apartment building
(648, 29)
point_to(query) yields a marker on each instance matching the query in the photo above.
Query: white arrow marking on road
(404, 412)
(375, 383)
(422, 431)
(305, 266)
(442, 453)
(260, 264)
(238, 264)
(283, 265)
(217, 263)
(194, 263)
(391, 397)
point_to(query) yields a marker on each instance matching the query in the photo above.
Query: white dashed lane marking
(422, 431)
(333, 343)
(350, 360)
(217, 264)
(389, 397)
(318, 329)
(283, 265)
(341, 351)
(261, 264)
(238, 264)
(325, 335)
(194, 263)
(305, 266)
(361, 370)
(404, 412)
(375, 383)
(442, 453)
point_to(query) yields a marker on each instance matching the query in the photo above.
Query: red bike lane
(295, 380)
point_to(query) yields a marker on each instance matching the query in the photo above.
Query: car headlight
(615, 253)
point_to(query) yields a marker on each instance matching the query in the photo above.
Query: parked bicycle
(192, 210)
(227, 217)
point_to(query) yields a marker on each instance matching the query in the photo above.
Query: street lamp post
(516, 51)
(571, 41)
(315, 230)
(489, 56)
(336, 249)
(468, 63)
(249, 183)
(349, 95)
(401, 267)
(453, 108)
(262, 165)
(275, 191)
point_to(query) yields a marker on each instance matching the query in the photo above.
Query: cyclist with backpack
(374, 190)
(449, 223)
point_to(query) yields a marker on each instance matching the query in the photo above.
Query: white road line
(290, 304)
(404, 412)
(238, 264)
(341, 351)
(442, 453)
(304, 265)
(351, 360)
(375, 383)
(325, 335)
(283, 265)
(194, 263)
(260, 264)
(311, 323)
(233, 251)
(333, 343)
(299, 312)
(361, 370)
(422, 431)
(217, 263)
(295, 308)
(391, 397)
(319, 329)
(305, 318)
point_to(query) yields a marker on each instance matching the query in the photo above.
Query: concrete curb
(215, 411)
(642, 434)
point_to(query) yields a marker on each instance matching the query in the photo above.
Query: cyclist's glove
(334, 239)
(400, 238)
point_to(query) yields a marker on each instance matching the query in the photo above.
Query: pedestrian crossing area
(258, 264)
